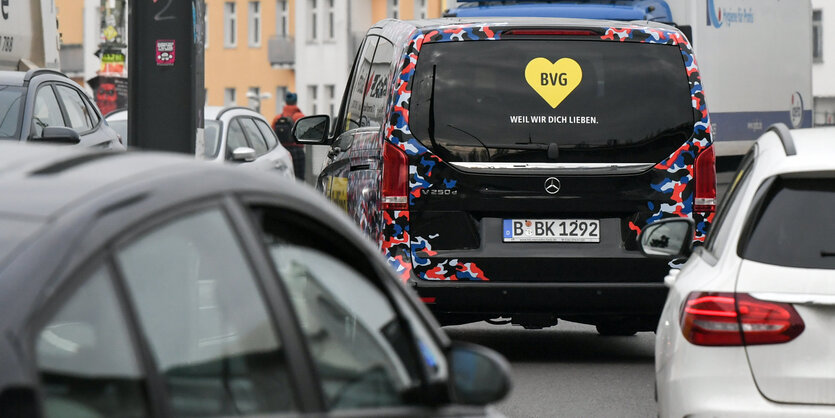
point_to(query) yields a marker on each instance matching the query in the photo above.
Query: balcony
(281, 51)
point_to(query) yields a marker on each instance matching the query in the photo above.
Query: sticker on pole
(166, 52)
(553, 81)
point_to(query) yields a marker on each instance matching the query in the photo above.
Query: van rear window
(598, 101)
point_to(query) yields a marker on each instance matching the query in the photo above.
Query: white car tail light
(735, 319)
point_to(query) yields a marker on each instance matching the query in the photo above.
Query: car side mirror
(59, 135)
(312, 130)
(243, 154)
(480, 375)
(668, 238)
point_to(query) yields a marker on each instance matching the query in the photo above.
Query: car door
(86, 357)
(263, 159)
(209, 329)
(278, 156)
(46, 111)
(79, 117)
(372, 353)
(333, 180)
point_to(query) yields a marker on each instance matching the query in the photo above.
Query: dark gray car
(143, 284)
(44, 105)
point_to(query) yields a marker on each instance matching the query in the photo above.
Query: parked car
(236, 134)
(145, 284)
(747, 327)
(506, 166)
(44, 105)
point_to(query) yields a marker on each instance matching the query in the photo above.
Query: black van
(506, 166)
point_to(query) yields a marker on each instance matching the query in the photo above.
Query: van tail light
(705, 177)
(734, 319)
(395, 184)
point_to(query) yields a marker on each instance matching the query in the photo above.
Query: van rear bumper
(455, 302)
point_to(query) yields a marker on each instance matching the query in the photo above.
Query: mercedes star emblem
(552, 185)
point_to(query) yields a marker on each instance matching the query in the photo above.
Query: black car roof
(43, 181)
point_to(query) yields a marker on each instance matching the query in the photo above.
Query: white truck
(28, 35)
(755, 56)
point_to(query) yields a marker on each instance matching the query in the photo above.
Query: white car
(236, 134)
(748, 328)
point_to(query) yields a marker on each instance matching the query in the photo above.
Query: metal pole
(165, 74)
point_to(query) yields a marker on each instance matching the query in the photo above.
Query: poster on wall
(110, 92)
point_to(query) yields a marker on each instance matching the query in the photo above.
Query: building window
(282, 19)
(331, 31)
(817, 36)
(313, 30)
(280, 95)
(254, 23)
(420, 9)
(330, 92)
(230, 26)
(229, 98)
(394, 9)
(312, 93)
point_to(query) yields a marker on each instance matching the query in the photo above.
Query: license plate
(551, 230)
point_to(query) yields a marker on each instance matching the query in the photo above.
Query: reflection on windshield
(11, 99)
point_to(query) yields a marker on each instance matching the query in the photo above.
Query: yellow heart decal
(554, 82)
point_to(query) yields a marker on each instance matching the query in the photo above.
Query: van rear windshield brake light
(543, 32)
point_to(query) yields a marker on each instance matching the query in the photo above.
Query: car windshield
(511, 100)
(11, 101)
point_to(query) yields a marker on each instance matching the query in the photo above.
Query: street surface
(570, 371)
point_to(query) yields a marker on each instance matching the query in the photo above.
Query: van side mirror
(312, 130)
(480, 376)
(668, 238)
(59, 135)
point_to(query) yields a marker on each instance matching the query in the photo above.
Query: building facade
(823, 61)
(329, 33)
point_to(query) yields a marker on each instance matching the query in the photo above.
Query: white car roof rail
(785, 137)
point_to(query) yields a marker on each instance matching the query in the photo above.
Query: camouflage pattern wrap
(673, 177)
(672, 186)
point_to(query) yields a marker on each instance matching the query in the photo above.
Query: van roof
(530, 22)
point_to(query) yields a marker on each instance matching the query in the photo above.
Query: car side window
(729, 205)
(377, 92)
(356, 91)
(268, 133)
(76, 109)
(86, 360)
(234, 138)
(363, 355)
(205, 319)
(47, 112)
(94, 116)
(254, 135)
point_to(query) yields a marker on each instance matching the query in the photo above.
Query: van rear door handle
(808, 299)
